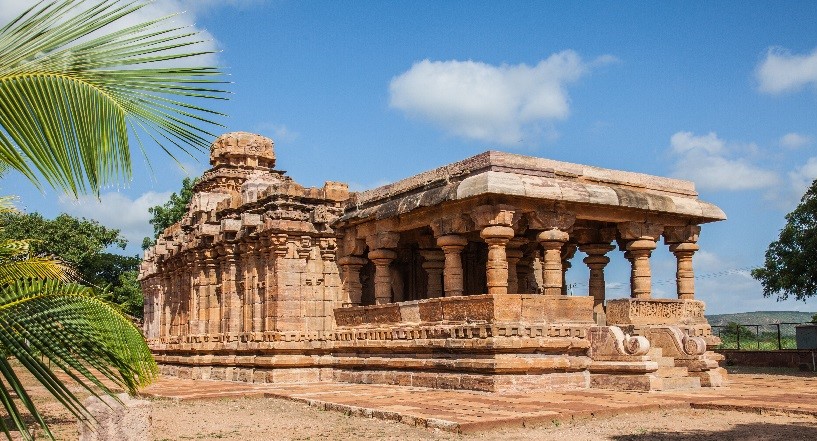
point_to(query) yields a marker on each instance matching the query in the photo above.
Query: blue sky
(722, 93)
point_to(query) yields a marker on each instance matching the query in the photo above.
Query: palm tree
(72, 93)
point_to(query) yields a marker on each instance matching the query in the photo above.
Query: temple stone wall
(255, 253)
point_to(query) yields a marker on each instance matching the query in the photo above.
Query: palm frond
(69, 97)
(42, 267)
(38, 317)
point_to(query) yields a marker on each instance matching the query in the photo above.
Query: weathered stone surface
(125, 420)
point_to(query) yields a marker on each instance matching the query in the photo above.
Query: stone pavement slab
(468, 411)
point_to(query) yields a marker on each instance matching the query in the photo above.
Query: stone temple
(453, 278)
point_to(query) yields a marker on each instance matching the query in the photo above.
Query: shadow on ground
(743, 432)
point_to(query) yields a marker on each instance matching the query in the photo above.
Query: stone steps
(671, 372)
(679, 383)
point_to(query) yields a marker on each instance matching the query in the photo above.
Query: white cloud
(707, 161)
(795, 140)
(115, 210)
(782, 71)
(803, 176)
(503, 104)
(278, 132)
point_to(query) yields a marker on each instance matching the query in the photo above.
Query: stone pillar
(684, 275)
(275, 246)
(452, 246)
(552, 241)
(497, 237)
(195, 278)
(682, 243)
(167, 301)
(209, 299)
(434, 264)
(188, 293)
(641, 239)
(641, 250)
(257, 288)
(556, 223)
(568, 251)
(514, 254)
(382, 258)
(352, 288)
(596, 261)
(231, 310)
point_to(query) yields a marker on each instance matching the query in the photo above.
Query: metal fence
(757, 337)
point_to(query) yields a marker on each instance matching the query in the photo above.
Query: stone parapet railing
(655, 312)
(484, 308)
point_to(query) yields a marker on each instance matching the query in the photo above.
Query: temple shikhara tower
(453, 278)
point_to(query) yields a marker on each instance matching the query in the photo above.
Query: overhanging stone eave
(528, 166)
(539, 188)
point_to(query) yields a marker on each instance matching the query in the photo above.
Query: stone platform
(469, 411)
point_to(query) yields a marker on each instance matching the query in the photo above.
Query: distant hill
(760, 317)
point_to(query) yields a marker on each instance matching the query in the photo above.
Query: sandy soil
(275, 419)
(271, 419)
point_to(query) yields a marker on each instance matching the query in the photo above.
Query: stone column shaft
(208, 294)
(433, 264)
(641, 280)
(685, 275)
(596, 261)
(568, 251)
(497, 238)
(552, 242)
(257, 290)
(513, 256)
(452, 246)
(382, 258)
(352, 288)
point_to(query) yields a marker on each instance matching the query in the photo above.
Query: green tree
(82, 244)
(170, 212)
(71, 92)
(733, 329)
(42, 310)
(790, 268)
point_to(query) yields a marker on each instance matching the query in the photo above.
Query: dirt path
(275, 419)
(279, 419)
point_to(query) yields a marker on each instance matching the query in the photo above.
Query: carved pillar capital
(586, 236)
(546, 219)
(553, 238)
(451, 225)
(499, 214)
(688, 233)
(383, 239)
(640, 230)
